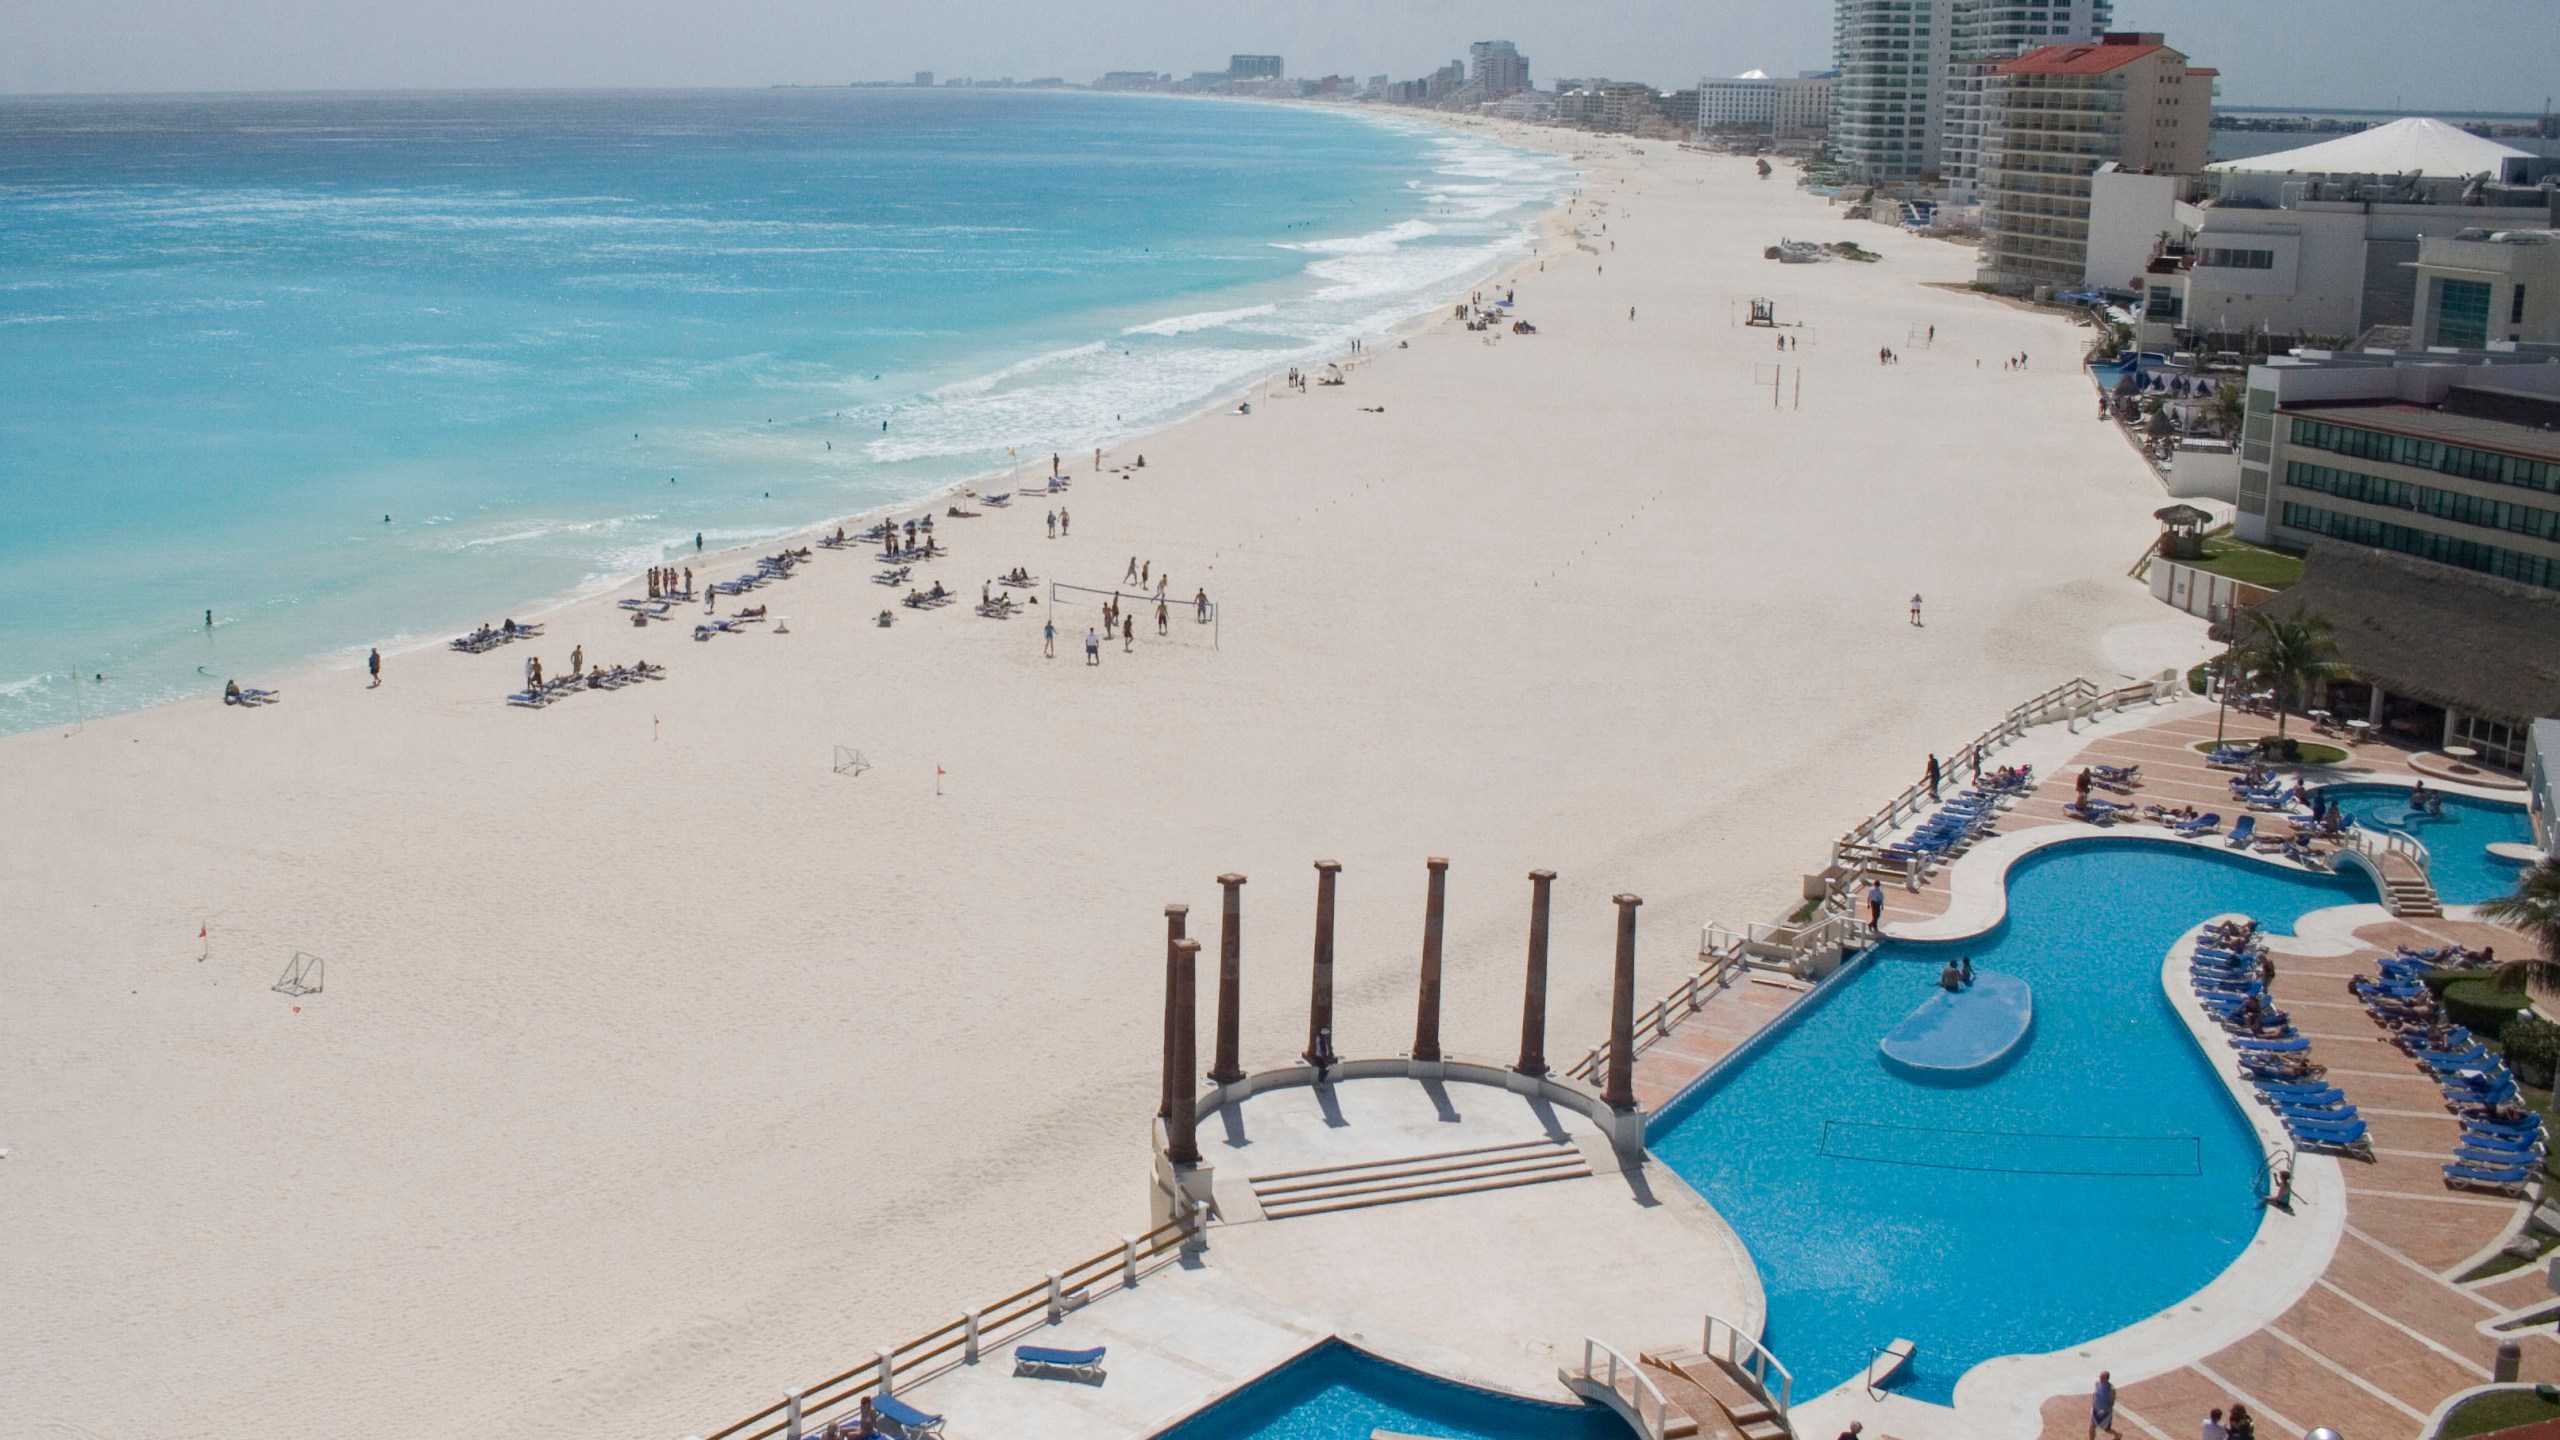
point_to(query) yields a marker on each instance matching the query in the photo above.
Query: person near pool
(1875, 903)
(2102, 1406)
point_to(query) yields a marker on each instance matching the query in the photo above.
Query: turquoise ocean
(552, 337)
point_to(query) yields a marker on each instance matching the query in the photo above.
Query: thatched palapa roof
(2433, 632)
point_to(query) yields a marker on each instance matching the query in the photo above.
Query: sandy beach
(660, 1067)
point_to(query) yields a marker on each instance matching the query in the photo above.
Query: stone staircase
(1291, 1193)
(1719, 1401)
(2406, 891)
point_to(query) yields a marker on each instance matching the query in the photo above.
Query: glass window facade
(2461, 312)
(2426, 455)
(2453, 505)
(2426, 544)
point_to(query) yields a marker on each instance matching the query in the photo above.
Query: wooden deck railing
(1057, 1293)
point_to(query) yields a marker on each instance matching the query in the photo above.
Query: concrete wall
(2128, 213)
(2208, 472)
(2201, 592)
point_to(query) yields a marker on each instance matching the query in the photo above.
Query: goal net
(850, 761)
(302, 976)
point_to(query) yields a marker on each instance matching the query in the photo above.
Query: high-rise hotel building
(1912, 75)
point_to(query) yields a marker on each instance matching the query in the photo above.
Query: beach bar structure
(1182, 1185)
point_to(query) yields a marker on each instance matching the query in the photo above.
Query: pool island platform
(1960, 1034)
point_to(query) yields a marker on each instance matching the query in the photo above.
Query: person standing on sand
(1143, 572)
(1915, 608)
(1161, 622)
(1200, 605)
(1064, 522)
(1053, 524)
(1049, 638)
(577, 659)
(373, 662)
(1092, 647)
(1128, 634)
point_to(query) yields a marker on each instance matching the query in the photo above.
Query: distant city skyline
(2467, 55)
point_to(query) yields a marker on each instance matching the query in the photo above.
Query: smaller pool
(2457, 842)
(1338, 1392)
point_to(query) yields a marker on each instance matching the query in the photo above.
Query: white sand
(659, 1068)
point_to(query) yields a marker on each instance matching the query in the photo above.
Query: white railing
(1720, 958)
(1602, 1365)
(1750, 1360)
(2410, 848)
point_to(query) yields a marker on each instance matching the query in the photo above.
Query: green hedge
(2478, 1003)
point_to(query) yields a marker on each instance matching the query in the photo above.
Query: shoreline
(1536, 228)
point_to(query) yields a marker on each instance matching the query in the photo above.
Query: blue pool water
(2458, 858)
(236, 332)
(1338, 1392)
(2104, 1176)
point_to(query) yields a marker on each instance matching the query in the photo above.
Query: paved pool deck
(1496, 1288)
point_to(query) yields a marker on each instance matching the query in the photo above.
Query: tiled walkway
(2385, 1333)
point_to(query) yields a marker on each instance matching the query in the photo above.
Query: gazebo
(2182, 532)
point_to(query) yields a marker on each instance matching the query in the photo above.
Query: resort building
(1499, 68)
(2316, 245)
(1801, 104)
(2415, 441)
(1904, 63)
(1254, 67)
(2441, 656)
(1746, 101)
(2477, 286)
(2056, 116)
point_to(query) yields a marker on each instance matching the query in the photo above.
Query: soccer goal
(1920, 337)
(302, 976)
(1187, 621)
(850, 761)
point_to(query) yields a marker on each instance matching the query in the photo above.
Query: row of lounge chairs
(598, 678)
(490, 637)
(2229, 972)
(2500, 1148)
(1955, 825)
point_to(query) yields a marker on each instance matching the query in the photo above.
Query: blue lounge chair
(2505, 1180)
(907, 1419)
(1042, 1360)
(2318, 1098)
(2204, 824)
(2351, 1139)
(2335, 1114)
(2289, 1045)
(2529, 1128)
(2242, 833)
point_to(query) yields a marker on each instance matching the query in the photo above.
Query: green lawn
(2499, 1410)
(2227, 554)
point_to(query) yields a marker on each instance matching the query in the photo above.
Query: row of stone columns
(1178, 1103)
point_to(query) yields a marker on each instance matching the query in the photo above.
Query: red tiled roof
(2075, 59)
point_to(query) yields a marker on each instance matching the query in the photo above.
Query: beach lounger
(2507, 1180)
(2291, 1044)
(2529, 1127)
(2353, 1139)
(907, 1419)
(2321, 1098)
(2204, 824)
(2501, 1144)
(1042, 1360)
(2243, 833)
(998, 501)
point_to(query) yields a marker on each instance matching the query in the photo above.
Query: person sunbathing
(938, 591)
(230, 692)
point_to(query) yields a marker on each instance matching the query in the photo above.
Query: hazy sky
(2425, 54)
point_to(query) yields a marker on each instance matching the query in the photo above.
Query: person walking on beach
(1133, 570)
(1049, 638)
(373, 662)
(1128, 634)
(1092, 647)
(1053, 524)
(1161, 622)
(1915, 607)
(2102, 1407)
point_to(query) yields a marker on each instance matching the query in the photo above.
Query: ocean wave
(1205, 320)
(1375, 242)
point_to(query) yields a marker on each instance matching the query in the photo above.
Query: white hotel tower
(1911, 78)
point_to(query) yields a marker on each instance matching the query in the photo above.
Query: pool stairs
(1290, 1193)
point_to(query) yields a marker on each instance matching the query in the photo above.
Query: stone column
(1230, 981)
(1319, 1051)
(1174, 1080)
(1533, 997)
(1620, 1092)
(1426, 1020)
(1182, 1127)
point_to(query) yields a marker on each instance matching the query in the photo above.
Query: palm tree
(2289, 654)
(2229, 404)
(2535, 910)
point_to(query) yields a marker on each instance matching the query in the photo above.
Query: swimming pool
(2458, 858)
(1339, 1392)
(2104, 1175)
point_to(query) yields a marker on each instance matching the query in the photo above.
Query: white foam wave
(1205, 320)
